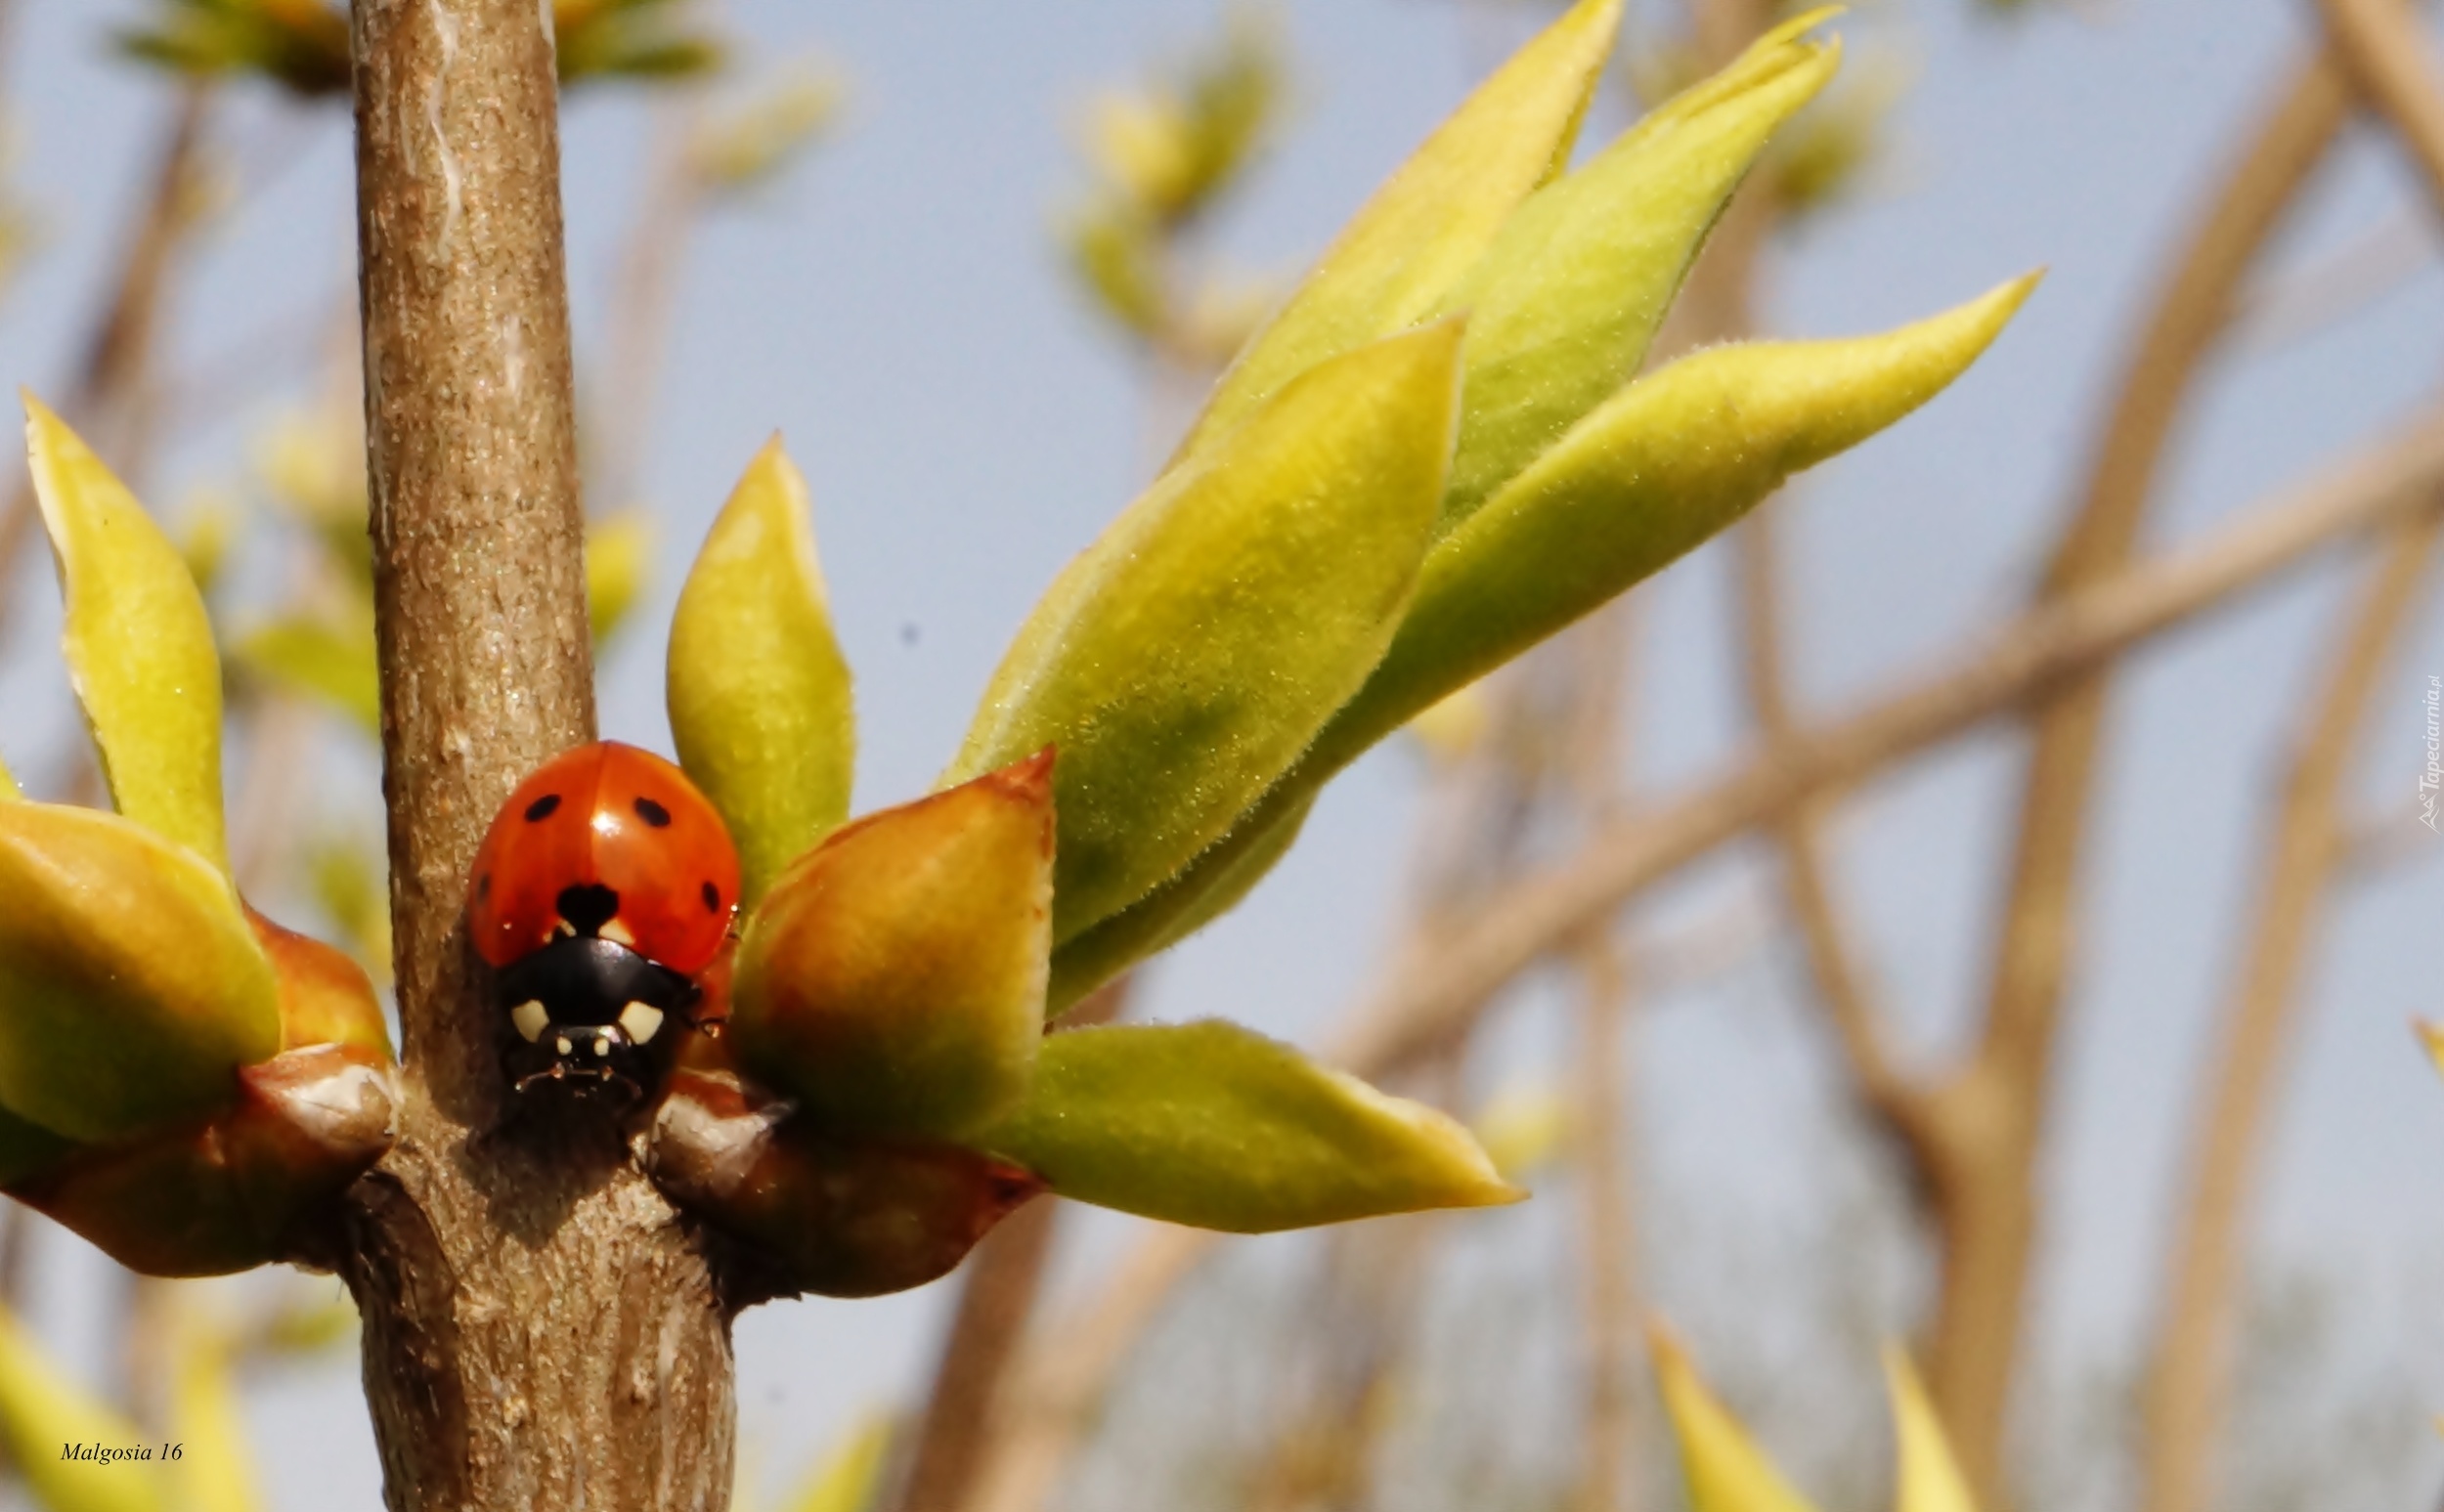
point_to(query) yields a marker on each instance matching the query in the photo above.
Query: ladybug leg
(708, 1016)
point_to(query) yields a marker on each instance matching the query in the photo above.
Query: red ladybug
(605, 886)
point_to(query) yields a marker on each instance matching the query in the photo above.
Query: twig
(1606, 1469)
(1055, 1388)
(1447, 984)
(2384, 49)
(1985, 1176)
(1834, 972)
(2190, 1376)
(1596, 761)
(1449, 977)
(539, 1328)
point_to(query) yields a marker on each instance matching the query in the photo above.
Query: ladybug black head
(590, 1011)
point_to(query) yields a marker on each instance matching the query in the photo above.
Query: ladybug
(605, 887)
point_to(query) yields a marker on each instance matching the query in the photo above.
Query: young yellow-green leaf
(332, 663)
(138, 646)
(1432, 220)
(1655, 471)
(1762, 56)
(42, 1411)
(1216, 1126)
(1566, 301)
(10, 792)
(1676, 456)
(619, 554)
(1930, 1479)
(135, 988)
(893, 979)
(1215, 885)
(1725, 1472)
(759, 692)
(1182, 662)
(846, 1479)
(2431, 1035)
(215, 1470)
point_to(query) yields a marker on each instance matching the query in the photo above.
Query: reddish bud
(228, 1192)
(837, 1217)
(891, 982)
(325, 997)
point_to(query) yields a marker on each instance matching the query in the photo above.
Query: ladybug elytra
(604, 888)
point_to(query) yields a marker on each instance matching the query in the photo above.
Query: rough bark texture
(540, 1332)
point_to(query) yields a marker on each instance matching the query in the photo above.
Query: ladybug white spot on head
(618, 934)
(530, 1020)
(640, 1021)
(602, 1044)
(564, 1046)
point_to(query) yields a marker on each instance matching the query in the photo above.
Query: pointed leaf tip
(1572, 291)
(138, 644)
(1432, 219)
(760, 694)
(1929, 1477)
(1216, 1126)
(1725, 1470)
(1654, 472)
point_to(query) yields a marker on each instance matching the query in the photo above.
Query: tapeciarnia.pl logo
(2434, 777)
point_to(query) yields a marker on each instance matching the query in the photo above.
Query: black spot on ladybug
(589, 906)
(712, 898)
(542, 809)
(653, 814)
(483, 887)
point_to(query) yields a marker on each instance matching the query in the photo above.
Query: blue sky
(899, 311)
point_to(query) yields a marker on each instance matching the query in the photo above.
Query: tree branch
(2381, 46)
(1992, 1108)
(2188, 1377)
(539, 1329)
(1453, 970)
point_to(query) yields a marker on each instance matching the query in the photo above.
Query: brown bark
(2190, 1375)
(540, 1331)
